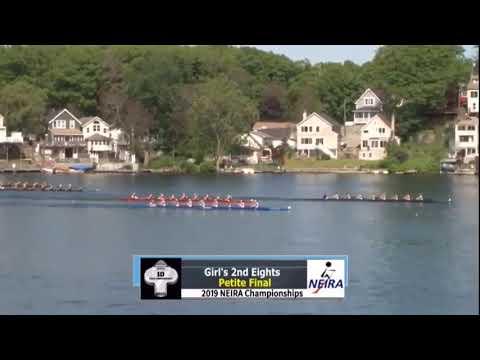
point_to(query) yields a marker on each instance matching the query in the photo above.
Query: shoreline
(239, 172)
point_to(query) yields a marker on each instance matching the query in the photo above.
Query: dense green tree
(23, 106)
(219, 112)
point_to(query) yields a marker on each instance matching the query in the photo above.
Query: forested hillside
(179, 95)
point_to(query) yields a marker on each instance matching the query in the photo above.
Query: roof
(67, 132)
(261, 134)
(366, 108)
(65, 115)
(380, 94)
(87, 120)
(382, 116)
(277, 133)
(97, 137)
(323, 116)
(468, 120)
(259, 125)
(84, 120)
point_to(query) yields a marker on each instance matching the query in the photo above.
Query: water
(71, 253)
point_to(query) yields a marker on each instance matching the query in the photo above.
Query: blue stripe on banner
(136, 261)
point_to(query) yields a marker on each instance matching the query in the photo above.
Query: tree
(274, 101)
(218, 114)
(23, 106)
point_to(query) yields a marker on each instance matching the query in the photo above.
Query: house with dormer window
(72, 138)
(369, 104)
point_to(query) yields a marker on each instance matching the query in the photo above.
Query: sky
(334, 53)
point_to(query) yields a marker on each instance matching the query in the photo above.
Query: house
(318, 133)
(374, 137)
(15, 137)
(89, 137)
(96, 133)
(369, 104)
(64, 139)
(265, 137)
(466, 138)
(472, 95)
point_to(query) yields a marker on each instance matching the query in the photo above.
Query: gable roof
(322, 116)
(379, 94)
(70, 115)
(278, 133)
(87, 120)
(382, 117)
(261, 125)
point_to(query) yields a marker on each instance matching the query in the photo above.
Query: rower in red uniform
(407, 197)
(133, 196)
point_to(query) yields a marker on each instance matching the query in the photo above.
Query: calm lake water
(72, 253)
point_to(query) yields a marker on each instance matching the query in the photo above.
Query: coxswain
(383, 197)
(407, 197)
(419, 197)
(324, 197)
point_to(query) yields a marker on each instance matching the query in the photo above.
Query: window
(471, 151)
(364, 144)
(368, 101)
(72, 124)
(365, 131)
(363, 154)
(375, 144)
(461, 127)
(381, 130)
(359, 115)
(372, 114)
(104, 130)
(474, 94)
(369, 155)
(470, 127)
(464, 138)
(318, 128)
(382, 144)
(306, 141)
(311, 129)
(319, 141)
(88, 130)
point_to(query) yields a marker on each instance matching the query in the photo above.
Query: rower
(161, 197)
(373, 197)
(69, 188)
(407, 197)
(383, 197)
(183, 196)
(395, 197)
(359, 197)
(348, 196)
(419, 197)
(150, 197)
(195, 196)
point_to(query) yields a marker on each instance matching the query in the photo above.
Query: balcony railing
(70, 143)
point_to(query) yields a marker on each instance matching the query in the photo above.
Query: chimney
(304, 115)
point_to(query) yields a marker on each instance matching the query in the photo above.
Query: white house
(466, 138)
(318, 132)
(375, 135)
(472, 95)
(369, 104)
(15, 137)
(70, 138)
(96, 133)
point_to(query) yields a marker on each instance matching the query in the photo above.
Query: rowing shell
(209, 208)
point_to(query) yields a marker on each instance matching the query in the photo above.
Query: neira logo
(161, 278)
(326, 281)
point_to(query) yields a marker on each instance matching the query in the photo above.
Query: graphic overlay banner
(240, 277)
